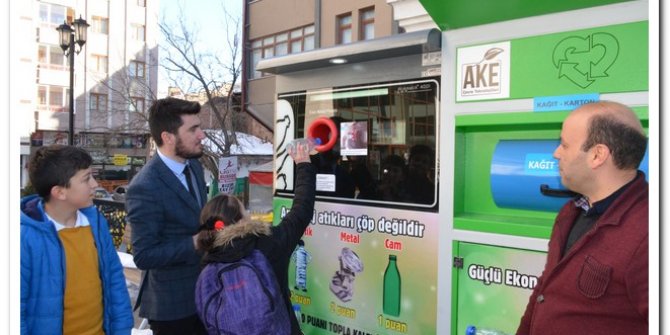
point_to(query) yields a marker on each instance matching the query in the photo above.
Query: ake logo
(484, 76)
(583, 60)
(483, 72)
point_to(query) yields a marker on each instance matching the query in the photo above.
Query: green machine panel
(608, 59)
(561, 70)
(492, 285)
(604, 60)
(364, 270)
(476, 139)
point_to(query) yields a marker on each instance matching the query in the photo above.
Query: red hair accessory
(218, 225)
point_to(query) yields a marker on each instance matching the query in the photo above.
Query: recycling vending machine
(368, 262)
(436, 183)
(513, 84)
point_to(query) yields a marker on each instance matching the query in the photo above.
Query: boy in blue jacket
(72, 281)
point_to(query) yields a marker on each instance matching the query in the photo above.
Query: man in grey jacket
(163, 202)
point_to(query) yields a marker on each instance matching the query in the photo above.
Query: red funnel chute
(325, 130)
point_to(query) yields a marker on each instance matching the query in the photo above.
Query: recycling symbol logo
(583, 60)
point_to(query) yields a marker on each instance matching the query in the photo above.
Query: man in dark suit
(163, 202)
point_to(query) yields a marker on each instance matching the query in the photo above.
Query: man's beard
(182, 152)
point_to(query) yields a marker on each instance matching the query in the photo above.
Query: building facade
(115, 78)
(314, 24)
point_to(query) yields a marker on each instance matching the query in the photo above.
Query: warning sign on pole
(227, 174)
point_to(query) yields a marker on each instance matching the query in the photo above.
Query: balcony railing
(52, 108)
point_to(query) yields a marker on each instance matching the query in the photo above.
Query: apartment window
(142, 3)
(344, 28)
(41, 95)
(283, 43)
(301, 39)
(367, 18)
(256, 56)
(52, 97)
(138, 32)
(308, 38)
(100, 63)
(100, 25)
(51, 56)
(55, 14)
(136, 69)
(58, 95)
(98, 102)
(56, 56)
(44, 12)
(137, 104)
(268, 47)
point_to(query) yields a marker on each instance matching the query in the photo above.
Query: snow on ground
(247, 144)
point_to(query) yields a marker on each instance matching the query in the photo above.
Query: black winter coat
(278, 242)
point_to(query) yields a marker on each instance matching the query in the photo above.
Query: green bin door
(493, 286)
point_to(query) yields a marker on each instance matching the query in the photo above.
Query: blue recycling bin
(524, 175)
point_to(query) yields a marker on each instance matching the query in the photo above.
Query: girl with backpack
(243, 288)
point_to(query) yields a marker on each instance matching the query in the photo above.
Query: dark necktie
(190, 182)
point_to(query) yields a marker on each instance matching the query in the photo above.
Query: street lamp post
(69, 35)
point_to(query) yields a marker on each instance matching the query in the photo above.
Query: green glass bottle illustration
(391, 302)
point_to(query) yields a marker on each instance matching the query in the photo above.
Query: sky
(205, 14)
(206, 19)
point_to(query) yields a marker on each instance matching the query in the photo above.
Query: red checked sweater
(601, 285)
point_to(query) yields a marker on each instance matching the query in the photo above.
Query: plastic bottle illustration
(311, 143)
(297, 311)
(472, 330)
(301, 258)
(392, 288)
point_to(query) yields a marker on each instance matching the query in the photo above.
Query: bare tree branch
(201, 72)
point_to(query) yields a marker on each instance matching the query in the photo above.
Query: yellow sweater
(82, 313)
